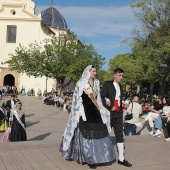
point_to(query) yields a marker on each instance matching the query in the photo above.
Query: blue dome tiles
(52, 18)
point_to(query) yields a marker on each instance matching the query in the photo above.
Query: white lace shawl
(14, 111)
(77, 109)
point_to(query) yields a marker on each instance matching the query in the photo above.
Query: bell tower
(29, 5)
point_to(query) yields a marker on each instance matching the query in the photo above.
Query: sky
(103, 23)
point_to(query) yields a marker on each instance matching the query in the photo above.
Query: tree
(130, 65)
(103, 76)
(61, 58)
(151, 42)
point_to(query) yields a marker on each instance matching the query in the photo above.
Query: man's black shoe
(125, 163)
(92, 166)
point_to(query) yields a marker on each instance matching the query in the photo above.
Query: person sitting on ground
(49, 99)
(162, 119)
(58, 103)
(68, 104)
(65, 100)
(45, 93)
(155, 111)
(39, 93)
(44, 97)
(136, 109)
(28, 92)
(61, 102)
(146, 107)
(32, 92)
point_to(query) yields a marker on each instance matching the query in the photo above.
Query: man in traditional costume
(111, 94)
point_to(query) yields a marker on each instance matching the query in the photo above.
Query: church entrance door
(9, 80)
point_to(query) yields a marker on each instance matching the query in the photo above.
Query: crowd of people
(63, 102)
(7, 90)
(89, 118)
(12, 120)
(93, 112)
(158, 116)
(155, 112)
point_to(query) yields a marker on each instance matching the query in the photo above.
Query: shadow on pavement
(40, 137)
(146, 125)
(29, 115)
(28, 124)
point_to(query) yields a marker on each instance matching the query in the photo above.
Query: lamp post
(46, 83)
(163, 70)
(139, 84)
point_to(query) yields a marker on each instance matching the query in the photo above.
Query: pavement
(45, 127)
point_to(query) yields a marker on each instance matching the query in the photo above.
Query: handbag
(129, 116)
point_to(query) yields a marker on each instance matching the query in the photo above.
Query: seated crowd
(62, 102)
(155, 112)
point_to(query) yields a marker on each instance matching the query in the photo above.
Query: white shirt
(117, 87)
(12, 104)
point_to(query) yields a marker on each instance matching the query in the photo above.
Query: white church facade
(20, 25)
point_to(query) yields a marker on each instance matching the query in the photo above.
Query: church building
(20, 25)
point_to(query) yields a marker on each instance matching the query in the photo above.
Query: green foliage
(58, 58)
(131, 66)
(103, 76)
(151, 43)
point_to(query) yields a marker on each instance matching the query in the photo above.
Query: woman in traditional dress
(86, 138)
(3, 118)
(17, 119)
(23, 91)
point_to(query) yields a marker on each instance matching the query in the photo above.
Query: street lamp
(163, 70)
(141, 84)
(46, 83)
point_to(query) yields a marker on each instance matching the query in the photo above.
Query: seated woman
(28, 92)
(163, 119)
(17, 121)
(136, 109)
(155, 111)
(3, 116)
(39, 93)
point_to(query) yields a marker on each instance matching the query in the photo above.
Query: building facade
(20, 25)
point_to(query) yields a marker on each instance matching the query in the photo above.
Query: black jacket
(8, 104)
(108, 91)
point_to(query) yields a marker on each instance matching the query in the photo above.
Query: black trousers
(168, 128)
(116, 119)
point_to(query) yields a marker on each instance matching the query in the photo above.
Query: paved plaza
(45, 126)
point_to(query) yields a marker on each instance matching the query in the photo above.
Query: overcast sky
(103, 23)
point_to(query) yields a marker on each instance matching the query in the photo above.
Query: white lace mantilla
(77, 109)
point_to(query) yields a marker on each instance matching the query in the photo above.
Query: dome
(52, 18)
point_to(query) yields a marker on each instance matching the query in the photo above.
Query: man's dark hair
(118, 70)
